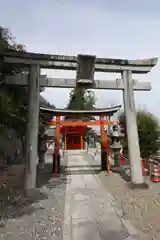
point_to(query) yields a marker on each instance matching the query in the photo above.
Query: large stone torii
(85, 66)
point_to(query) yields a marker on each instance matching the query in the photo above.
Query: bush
(148, 131)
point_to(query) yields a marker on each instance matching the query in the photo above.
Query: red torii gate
(104, 119)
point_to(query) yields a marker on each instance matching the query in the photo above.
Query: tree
(14, 98)
(81, 99)
(148, 131)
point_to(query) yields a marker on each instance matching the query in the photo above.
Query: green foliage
(148, 131)
(81, 99)
(13, 99)
(44, 103)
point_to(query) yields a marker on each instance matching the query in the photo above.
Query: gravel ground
(40, 216)
(10, 186)
(141, 207)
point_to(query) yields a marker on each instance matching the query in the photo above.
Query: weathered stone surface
(73, 205)
(89, 205)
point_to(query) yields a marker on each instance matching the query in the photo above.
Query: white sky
(106, 28)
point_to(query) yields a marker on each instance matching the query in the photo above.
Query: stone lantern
(116, 145)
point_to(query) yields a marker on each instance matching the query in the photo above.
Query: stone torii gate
(85, 65)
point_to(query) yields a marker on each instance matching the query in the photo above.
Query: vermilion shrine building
(73, 137)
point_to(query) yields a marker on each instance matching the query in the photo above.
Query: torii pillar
(32, 127)
(132, 130)
(104, 147)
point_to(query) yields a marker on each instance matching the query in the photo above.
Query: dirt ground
(11, 186)
(140, 206)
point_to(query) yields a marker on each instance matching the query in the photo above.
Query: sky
(105, 28)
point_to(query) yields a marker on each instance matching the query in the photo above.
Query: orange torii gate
(104, 119)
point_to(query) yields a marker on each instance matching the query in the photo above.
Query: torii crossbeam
(85, 67)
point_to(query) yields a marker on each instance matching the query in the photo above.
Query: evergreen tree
(81, 99)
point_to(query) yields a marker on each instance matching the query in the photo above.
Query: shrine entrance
(73, 141)
(85, 67)
(73, 137)
(72, 131)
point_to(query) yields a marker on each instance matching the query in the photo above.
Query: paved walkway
(74, 206)
(88, 210)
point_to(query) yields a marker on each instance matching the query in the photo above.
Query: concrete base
(116, 169)
(138, 186)
(34, 194)
(41, 165)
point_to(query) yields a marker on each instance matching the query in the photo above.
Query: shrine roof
(96, 112)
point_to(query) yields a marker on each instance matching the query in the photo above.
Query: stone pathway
(74, 206)
(88, 210)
